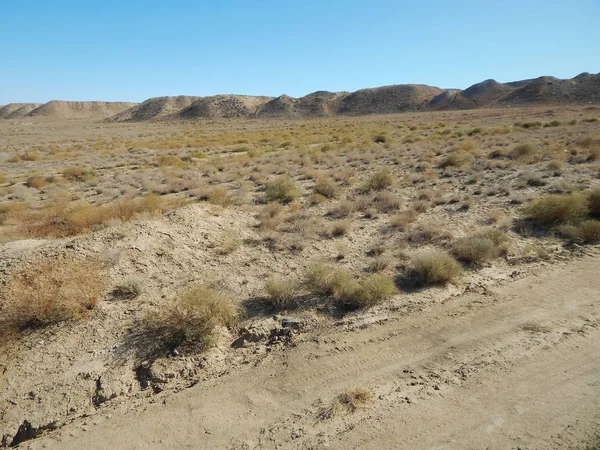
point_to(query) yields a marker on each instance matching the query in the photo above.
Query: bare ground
(514, 366)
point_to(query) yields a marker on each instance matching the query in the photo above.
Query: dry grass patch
(49, 293)
(129, 288)
(326, 187)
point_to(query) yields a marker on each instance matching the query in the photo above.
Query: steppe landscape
(396, 267)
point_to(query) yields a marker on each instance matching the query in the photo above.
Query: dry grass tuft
(129, 288)
(347, 403)
(379, 181)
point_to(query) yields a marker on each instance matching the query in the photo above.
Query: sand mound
(57, 109)
(17, 110)
(222, 106)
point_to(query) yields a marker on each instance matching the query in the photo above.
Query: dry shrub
(340, 228)
(371, 291)
(49, 293)
(403, 219)
(283, 189)
(326, 187)
(281, 293)
(62, 221)
(481, 247)
(129, 288)
(347, 403)
(457, 159)
(589, 231)
(218, 196)
(37, 182)
(342, 209)
(436, 268)
(270, 216)
(427, 233)
(386, 202)
(379, 181)
(321, 279)
(347, 291)
(169, 160)
(594, 202)
(191, 318)
(524, 152)
(76, 173)
(557, 209)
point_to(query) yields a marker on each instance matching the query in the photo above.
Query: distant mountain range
(583, 89)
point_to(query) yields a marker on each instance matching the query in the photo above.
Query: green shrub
(282, 189)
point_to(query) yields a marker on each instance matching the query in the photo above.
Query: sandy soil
(513, 367)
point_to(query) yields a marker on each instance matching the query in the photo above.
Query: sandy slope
(516, 367)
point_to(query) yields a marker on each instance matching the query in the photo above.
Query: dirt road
(516, 367)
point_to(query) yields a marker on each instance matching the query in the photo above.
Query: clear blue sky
(133, 50)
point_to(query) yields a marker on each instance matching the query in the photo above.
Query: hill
(582, 89)
(16, 110)
(58, 109)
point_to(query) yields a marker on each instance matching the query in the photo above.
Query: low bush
(282, 293)
(379, 181)
(191, 318)
(282, 189)
(594, 202)
(326, 187)
(436, 268)
(479, 248)
(554, 210)
(129, 288)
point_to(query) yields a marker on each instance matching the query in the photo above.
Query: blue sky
(133, 50)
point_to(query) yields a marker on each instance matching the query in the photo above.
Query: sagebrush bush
(283, 189)
(554, 210)
(436, 268)
(321, 279)
(49, 293)
(191, 318)
(456, 159)
(523, 152)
